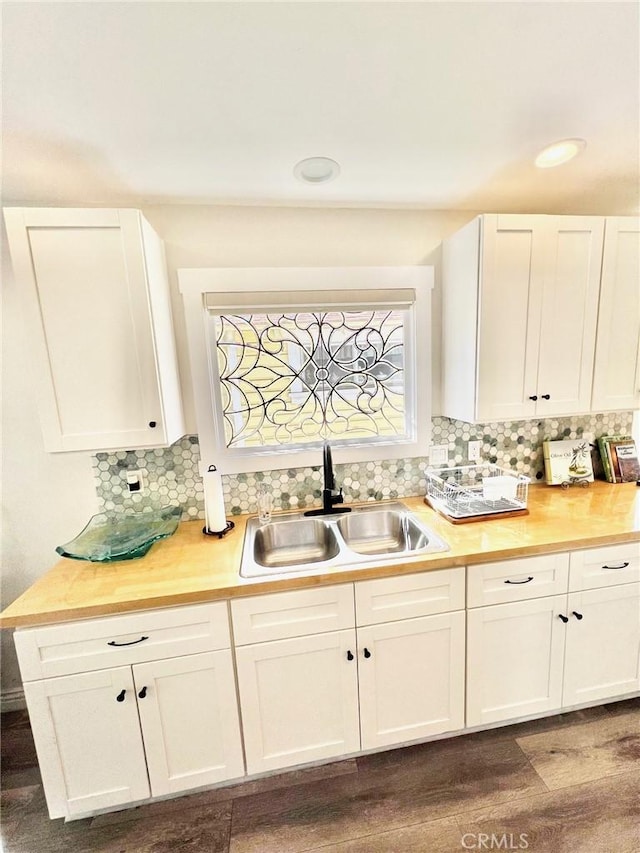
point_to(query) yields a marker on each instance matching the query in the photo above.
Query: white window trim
(198, 287)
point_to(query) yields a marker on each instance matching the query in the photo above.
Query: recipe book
(624, 461)
(608, 445)
(567, 461)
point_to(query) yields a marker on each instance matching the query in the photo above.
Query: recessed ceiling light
(559, 153)
(316, 170)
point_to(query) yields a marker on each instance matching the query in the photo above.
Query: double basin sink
(295, 543)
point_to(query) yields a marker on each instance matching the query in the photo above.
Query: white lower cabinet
(602, 656)
(322, 695)
(514, 659)
(546, 653)
(299, 699)
(88, 740)
(322, 673)
(141, 728)
(189, 717)
(411, 677)
(98, 733)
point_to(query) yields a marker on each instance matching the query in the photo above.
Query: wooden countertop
(190, 567)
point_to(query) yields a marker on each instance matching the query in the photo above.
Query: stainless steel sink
(384, 532)
(291, 543)
(282, 544)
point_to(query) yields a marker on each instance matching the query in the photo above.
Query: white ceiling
(438, 105)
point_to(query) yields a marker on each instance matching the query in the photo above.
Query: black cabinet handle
(533, 397)
(563, 617)
(576, 614)
(367, 653)
(349, 655)
(143, 692)
(530, 578)
(132, 643)
(623, 566)
(152, 424)
(546, 396)
(120, 696)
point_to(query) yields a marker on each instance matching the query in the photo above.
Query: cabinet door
(572, 264)
(299, 700)
(83, 276)
(88, 741)
(514, 659)
(602, 657)
(512, 265)
(616, 376)
(411, 676)
(189, 716)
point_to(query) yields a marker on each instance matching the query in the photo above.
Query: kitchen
(255, 213)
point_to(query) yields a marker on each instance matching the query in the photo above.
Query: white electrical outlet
(473, 450)
(135, 482)
(439, 454)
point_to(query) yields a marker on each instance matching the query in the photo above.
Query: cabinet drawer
(292, 614)
(118, 640)
(517, 580)
(608, 566)
(409, 596)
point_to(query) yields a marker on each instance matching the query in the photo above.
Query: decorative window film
(283, 358)
(298, 377)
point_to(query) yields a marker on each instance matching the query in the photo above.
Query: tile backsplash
(171, 474)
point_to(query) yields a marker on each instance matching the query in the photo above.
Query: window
(284, 359)
(290, 379)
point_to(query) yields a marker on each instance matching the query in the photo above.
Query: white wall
(47, 498)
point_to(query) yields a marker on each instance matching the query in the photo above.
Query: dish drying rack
(466, 493)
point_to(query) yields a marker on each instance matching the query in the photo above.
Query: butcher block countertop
(190, 567)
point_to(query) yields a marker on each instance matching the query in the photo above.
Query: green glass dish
(108, 538)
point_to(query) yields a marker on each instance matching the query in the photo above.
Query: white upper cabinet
(616, 378)
(520, 304)
(98, 323)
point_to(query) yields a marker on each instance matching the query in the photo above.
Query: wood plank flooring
(565, 784)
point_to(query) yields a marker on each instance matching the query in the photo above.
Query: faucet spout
(327, 464)
(330, 497)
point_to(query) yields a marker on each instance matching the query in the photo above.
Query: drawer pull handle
(143, 692)
(367, 653)
(546, 396)
(623, 566)
(564, 618)
(530, 578)
(576, 614)
(349, 655)
(120, 696)
(132, 643)
(533, 397)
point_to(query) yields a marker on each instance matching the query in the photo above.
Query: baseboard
(12, 700)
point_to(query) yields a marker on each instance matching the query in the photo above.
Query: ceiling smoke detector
(316, 170)
(559, 153)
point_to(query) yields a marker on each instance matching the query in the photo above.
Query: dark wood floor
(566, 784)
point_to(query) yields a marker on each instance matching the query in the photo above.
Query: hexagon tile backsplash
(171, 474)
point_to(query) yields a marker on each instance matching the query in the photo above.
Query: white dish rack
(471, 491)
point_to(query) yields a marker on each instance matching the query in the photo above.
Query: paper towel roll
(215, 515)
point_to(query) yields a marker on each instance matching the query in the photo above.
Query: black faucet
(330, 497)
